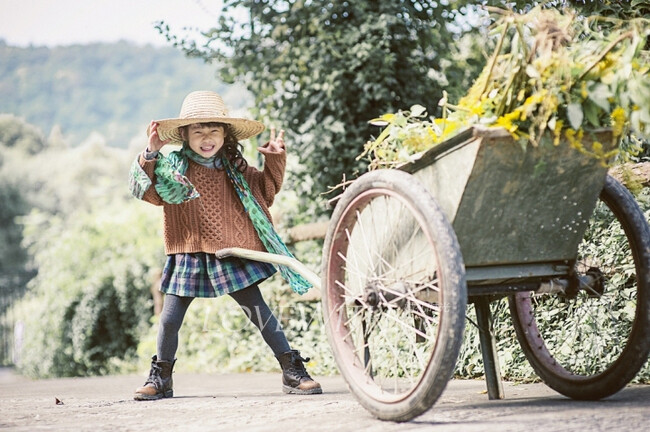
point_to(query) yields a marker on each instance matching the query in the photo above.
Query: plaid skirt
(203, 275)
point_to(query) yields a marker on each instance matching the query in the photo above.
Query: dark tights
(250, 300)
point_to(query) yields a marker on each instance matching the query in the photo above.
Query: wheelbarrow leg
(488, 348)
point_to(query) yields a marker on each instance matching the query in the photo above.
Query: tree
(16, 134)
(18, 141)
(67, 215)
(114, 89)
(12, 257)
(89, 303)
(323, 69)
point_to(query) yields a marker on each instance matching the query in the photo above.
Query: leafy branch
(550, 73)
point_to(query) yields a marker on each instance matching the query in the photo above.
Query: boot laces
(298, 367)
(154, 376)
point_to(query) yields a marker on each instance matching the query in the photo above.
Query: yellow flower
(521, 94)
(600, 154)
(530, 104)
(575, 138)
(557, 132)
(506, 122)
(445, 128)
(597, 147)
(477, 108)
(606, 63)
(535, 98)
(383, 120)
(618, 121)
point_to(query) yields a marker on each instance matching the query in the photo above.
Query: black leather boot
(295, 379)
(159, 384)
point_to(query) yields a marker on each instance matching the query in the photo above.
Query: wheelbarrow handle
(271, 258)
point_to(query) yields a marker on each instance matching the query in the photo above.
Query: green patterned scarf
(174, 188)
(171, 183)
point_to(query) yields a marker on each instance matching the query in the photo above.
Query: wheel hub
(376, 294)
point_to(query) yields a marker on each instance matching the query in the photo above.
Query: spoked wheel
(590, 341)
(394, 294)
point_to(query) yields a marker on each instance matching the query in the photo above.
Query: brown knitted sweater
(216, 219)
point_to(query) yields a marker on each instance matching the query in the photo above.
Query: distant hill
(113, 89)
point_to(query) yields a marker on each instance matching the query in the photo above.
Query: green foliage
(18, 135)
(18, 140)
(621, 9)
(63, 180)
(113, 89)
(551, 73)
(13, 258)
(90, 301)
(70, 218)
(512, 362)
(321, 69)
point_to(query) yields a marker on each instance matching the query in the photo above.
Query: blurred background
(79, 82)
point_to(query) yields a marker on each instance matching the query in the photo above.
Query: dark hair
(231, 148)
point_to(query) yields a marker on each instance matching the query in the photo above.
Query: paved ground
(254, 402)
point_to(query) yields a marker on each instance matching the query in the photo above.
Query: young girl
(212, 200)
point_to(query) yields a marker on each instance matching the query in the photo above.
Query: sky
(67, 22)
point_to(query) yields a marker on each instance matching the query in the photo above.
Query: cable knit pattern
(216, 219)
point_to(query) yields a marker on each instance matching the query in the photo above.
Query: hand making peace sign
(275, 144)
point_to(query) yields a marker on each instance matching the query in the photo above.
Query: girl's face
(204, 139)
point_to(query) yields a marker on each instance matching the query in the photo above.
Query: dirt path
(254, 402)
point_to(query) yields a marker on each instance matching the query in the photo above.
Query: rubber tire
(593, 387)
(440, 367)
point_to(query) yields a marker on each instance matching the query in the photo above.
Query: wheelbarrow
(473, 220)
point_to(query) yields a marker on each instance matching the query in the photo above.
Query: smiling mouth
(207, 149)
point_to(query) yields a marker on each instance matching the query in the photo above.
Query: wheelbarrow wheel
(589, 343)
(394, 294)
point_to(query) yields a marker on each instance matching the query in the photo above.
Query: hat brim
(240, 128)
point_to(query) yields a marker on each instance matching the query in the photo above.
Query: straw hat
(206, 107)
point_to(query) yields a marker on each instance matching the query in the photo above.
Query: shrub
(90, 301)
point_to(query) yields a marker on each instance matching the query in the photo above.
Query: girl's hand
(275, 144)
(155, 143)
